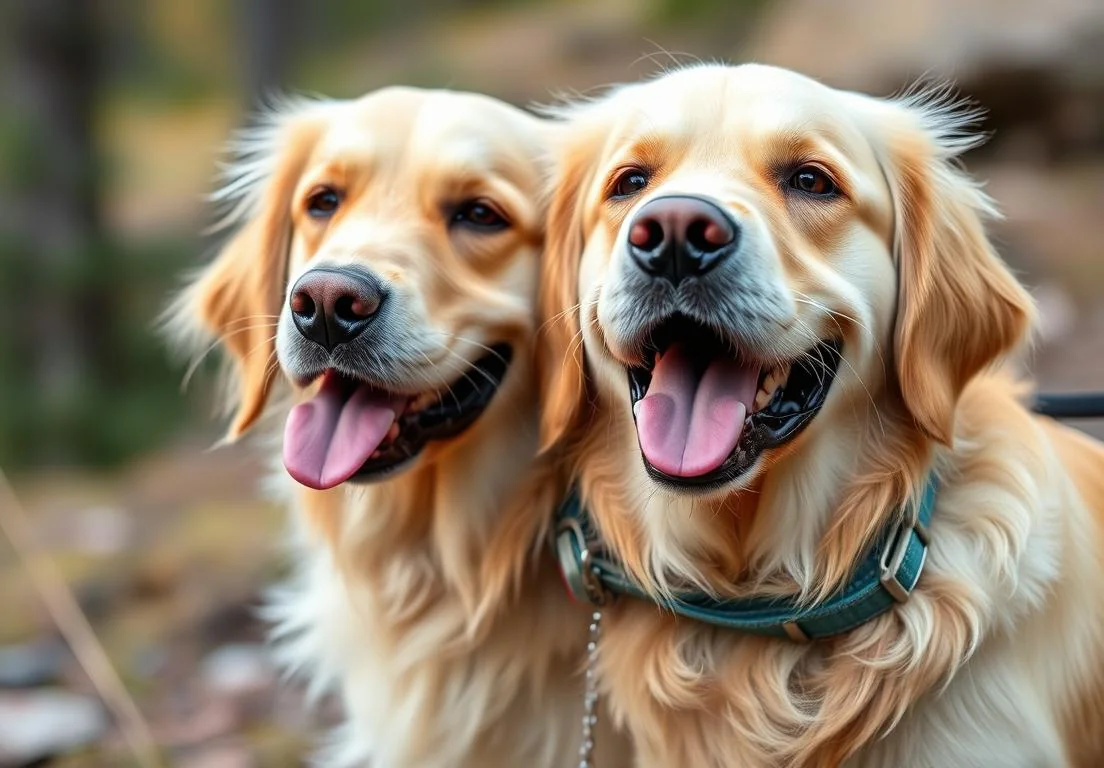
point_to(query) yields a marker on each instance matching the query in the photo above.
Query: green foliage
(699, 12)
(142, 65)
(353, 19)
(129, 403)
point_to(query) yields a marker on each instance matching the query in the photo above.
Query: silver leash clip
(577, 564)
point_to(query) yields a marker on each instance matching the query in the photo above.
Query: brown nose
(333, 306)
(677, 237)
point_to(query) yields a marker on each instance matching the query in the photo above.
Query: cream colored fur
(425, 601)
(997, 660)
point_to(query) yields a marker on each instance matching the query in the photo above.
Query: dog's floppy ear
(237, 298)
(561, 365)
(959, 308)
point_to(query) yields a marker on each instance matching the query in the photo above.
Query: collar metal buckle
(577, 564)
(893, 556)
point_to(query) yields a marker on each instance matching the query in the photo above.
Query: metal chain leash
(590, 696)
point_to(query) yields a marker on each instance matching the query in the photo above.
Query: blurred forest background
(114, 112)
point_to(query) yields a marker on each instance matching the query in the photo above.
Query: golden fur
(996, 660)
(425, 600)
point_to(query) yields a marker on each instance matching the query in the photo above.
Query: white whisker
(202, 355)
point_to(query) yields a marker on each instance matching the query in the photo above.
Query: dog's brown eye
(323, 202)
(479, 214)
(813, 181)
(631, 181)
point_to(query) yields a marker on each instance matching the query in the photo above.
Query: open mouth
(705, 412)
(354, 430)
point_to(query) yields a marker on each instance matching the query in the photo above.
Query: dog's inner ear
(238, 298)
(959, 308)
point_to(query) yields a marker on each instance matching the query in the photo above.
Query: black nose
(334, 306)
(681, 236)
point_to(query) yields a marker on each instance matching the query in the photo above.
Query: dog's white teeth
(393, 432)
(375, 455)
(762, 397)
(421, 401)
(777, 378)
(774, 379)
(783, 375)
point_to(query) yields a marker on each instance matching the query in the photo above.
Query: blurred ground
(168, 559)
(168, 552)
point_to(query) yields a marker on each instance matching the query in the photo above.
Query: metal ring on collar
(576, 564)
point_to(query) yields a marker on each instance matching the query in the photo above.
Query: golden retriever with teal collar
(728, 247)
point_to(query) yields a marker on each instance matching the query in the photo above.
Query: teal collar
(886, 576)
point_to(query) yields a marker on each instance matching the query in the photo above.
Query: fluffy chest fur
(443, 629)
(423, 692)
(995, 660)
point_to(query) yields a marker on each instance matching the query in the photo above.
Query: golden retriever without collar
(384, 278)
(729, 246)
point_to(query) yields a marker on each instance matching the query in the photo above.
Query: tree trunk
(270, 30)
(63, 311)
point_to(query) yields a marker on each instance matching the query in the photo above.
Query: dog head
(752, 259)
(386, 265)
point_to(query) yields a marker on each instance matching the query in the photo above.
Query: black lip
(458, 409)
(789, 412)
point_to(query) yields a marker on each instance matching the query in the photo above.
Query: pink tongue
(328, 438)
(688, 425)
